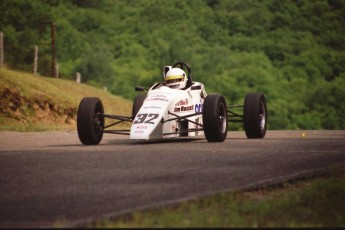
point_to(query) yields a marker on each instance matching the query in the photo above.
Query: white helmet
(176, 78)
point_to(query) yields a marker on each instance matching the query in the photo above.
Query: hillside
(34, 103)
(291, 50)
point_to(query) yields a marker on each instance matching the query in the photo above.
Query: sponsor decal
(159, 95)
(157, 99)
(139, 131)
(184, 108)
(198, 108)
(141, 127)
(182, 102)
(152, 107)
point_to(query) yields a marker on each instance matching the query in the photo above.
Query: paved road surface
(47, 177)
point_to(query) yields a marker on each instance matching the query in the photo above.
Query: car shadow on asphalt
(148, 142)
(109, 141)
(131, 142)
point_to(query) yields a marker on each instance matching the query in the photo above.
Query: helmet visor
(174, 79)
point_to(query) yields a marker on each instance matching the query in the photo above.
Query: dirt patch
(38, 109)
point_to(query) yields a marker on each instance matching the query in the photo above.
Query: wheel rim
(222, 118)
(262, 116)
(98, 120)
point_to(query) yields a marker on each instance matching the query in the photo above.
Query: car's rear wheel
(138, 102)
(183, 128)
(255, 115)
(90, 121)
(215, 118)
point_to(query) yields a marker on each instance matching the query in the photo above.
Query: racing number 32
(146, 118)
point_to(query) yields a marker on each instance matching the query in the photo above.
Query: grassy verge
(36, 103)
(317, 202)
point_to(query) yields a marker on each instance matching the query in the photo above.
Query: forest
(293, 51)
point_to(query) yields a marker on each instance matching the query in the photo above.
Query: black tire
(255, 115)
(138, 102)
(215, 118)
(183, 125)
(90, 124)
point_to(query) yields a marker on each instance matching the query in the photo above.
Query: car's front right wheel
(90, 121)
(215, 118)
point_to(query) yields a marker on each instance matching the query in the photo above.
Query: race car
(178, 107)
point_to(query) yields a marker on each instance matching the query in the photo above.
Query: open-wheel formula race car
(175, 108)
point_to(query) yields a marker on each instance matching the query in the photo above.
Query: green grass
(318, 202)
(62, 95)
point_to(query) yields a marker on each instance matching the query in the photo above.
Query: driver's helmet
(176, 78)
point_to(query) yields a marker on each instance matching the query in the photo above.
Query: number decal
(141, 118)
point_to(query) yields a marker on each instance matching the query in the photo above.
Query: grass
(316, 202)
(36, 103)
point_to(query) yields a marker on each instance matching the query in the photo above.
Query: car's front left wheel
(90, 121)
(255, 115)
(215, 118)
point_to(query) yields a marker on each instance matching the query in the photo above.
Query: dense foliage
(291, 50)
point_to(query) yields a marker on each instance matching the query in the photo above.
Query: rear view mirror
(139, 88)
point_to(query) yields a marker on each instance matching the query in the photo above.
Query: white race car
(175, 108)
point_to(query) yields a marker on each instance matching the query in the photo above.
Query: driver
(176, 78)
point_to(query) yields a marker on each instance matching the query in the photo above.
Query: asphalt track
(48, 177)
